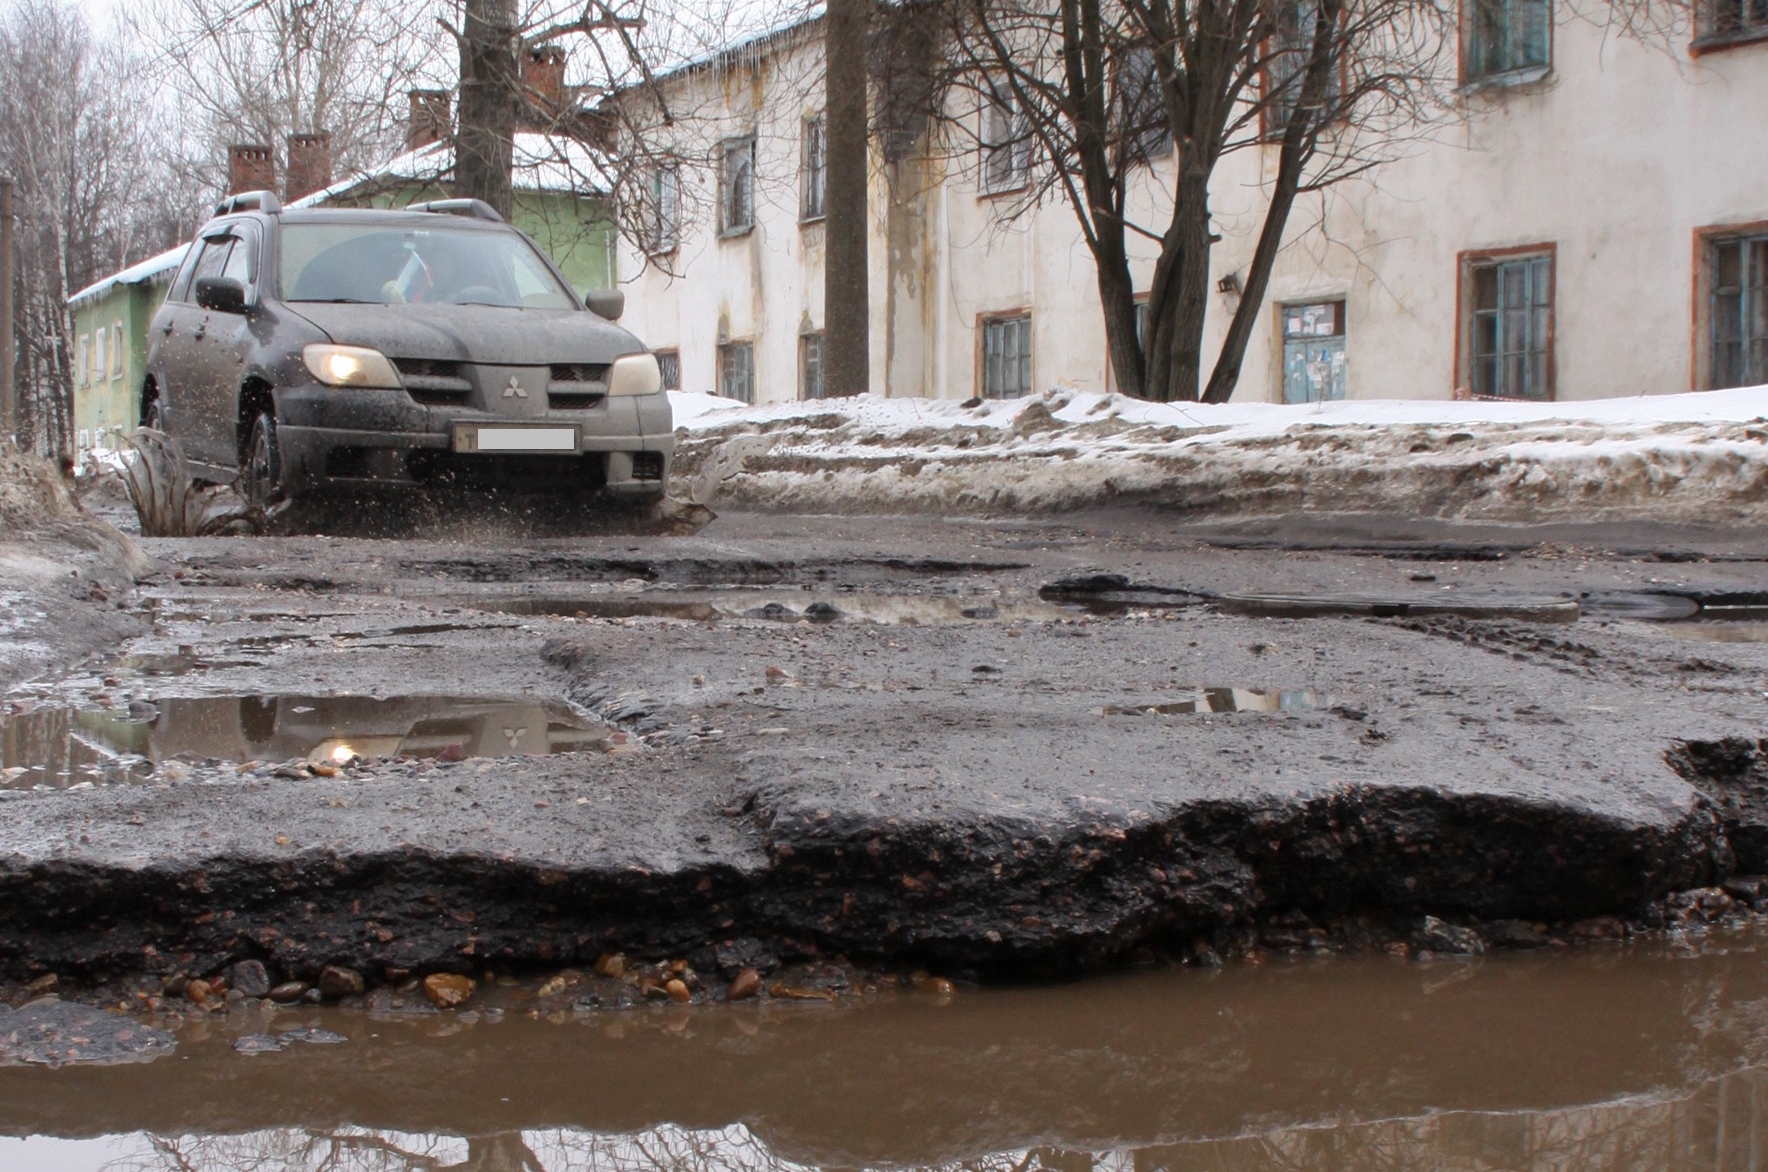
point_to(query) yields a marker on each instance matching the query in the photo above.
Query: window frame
(116, 365)
(668, 357)
(663, 211)
(1466, 264)
(1272, 129)
(1515, 75)
(1707, 40)
(726, 349)
(994, 320)
(727, 148)
(813, 168)
(807, 341)
(1149, 145)
(1700, 355)
(1017, 144)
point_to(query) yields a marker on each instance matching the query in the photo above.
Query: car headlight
(349, 366)
(635, 374)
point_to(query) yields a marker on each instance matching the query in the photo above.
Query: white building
(1595, 223)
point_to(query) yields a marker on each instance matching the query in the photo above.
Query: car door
(174, 351)
(223, 349)
(192, 370)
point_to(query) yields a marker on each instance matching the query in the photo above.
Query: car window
(241, 263)
(213, 259)
(181, 280)
(385, 265)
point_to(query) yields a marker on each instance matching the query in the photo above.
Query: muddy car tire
(153, 415)
(260, 476)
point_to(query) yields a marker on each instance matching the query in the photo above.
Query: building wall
(1616, 158)
(107, 401)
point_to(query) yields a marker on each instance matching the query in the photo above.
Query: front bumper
(332, 439)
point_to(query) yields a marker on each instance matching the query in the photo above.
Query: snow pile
(1693, 457)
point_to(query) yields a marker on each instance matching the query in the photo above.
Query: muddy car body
(308, 350)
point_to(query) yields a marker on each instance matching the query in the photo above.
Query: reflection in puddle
(64, 747)
(1634, 1058)
(1722, 632)
(1225, 700)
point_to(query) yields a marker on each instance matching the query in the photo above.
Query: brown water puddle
(1634, 1058)
(64, 747)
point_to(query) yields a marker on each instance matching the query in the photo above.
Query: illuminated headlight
(349, 366)
(635, 374)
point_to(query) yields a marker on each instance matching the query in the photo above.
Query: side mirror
(221, 294)
(608, 303)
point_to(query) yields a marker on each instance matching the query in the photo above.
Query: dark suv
(302, 350)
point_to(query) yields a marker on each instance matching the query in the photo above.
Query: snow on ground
(1699, 457)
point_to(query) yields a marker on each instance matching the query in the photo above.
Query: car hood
(473, 333)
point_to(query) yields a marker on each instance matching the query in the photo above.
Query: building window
(736, 371)
(1006, 357)
(1510, 322)
(737, 187)
(663, 211)
(1720, 21)
(1006, 143)
(669, 368)
(100, 355)
(1145, 131)
(1286, 71)
(81, 347)
(814, 166)
(1737, 275)
(810, 365)
(1505, 37)
(1313, 351)
(116, 366)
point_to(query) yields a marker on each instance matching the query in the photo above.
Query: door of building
(1313, 352)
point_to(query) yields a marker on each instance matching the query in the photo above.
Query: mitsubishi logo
(514, 735)
(515, 389)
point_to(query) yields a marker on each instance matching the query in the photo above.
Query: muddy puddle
(775, 605)
(64, 747)
(1207, 700)
(1636, 1058)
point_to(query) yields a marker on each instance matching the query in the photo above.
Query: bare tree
(257, 71)
(1076, 99)
(76, 128)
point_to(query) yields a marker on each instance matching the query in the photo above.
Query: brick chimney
(431, 118)
(309, 165)
(543, 77)
(250, 167)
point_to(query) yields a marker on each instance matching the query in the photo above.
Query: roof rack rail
(248, 201)
(476, 208)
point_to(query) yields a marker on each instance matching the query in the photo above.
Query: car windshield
(381, 265)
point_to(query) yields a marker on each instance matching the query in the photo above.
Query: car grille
(575, 386)
(434, 382)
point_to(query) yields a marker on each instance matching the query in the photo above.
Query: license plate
(472, 437)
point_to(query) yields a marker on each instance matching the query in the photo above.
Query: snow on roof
(145, 273)
(540, 162)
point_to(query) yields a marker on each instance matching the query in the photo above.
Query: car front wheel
(260, 478)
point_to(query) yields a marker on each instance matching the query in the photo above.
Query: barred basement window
(810, 365)
(736, 371)
(1506, 37)
(1511, 320)
(1006, 357)
(1738, 305)
(669, 367)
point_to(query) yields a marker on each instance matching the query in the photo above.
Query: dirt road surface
(1003, 748)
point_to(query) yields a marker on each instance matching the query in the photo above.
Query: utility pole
(846, 346)
(8, 350)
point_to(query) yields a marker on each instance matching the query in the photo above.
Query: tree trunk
(490, 95)
(846, 341)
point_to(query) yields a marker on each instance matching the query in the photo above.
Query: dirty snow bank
(1695, 457)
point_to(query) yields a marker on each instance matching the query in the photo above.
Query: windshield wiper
(338, 301)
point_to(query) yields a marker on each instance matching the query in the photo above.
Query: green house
(554, 204)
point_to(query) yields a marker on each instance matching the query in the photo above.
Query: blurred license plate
(470, 437)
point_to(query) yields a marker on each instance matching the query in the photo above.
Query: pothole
(64, 747)
(1205, 700)
(769, 606)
